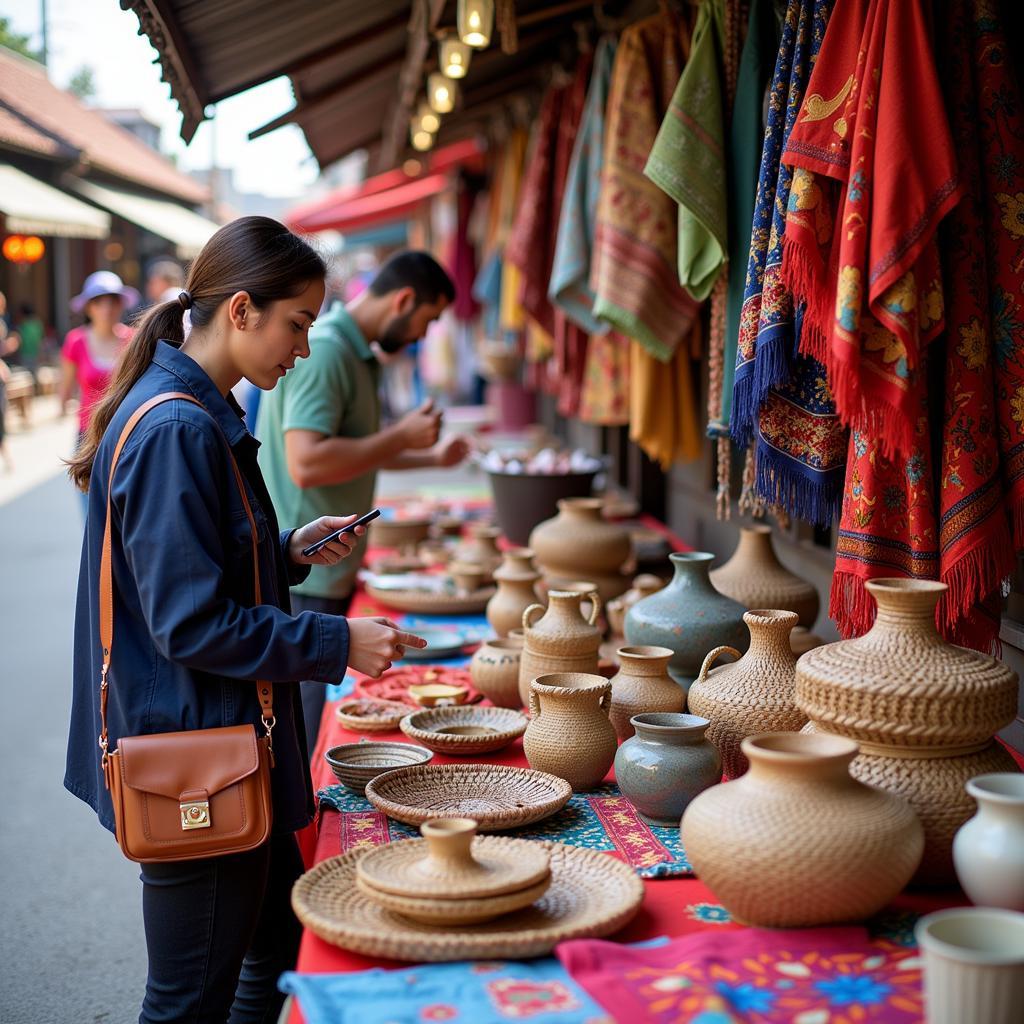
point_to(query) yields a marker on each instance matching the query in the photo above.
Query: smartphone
(361, 521)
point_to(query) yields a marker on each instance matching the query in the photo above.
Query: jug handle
(595, 606)
(606, 702)
(711, 658)
(534, 703)
(528, 614)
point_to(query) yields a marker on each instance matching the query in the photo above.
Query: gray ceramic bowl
(355, 764)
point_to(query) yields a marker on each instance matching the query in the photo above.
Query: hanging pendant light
(455, 56)
(427, 119)
(441, 93)
(475, 20)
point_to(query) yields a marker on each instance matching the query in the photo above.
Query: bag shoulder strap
(265, 690)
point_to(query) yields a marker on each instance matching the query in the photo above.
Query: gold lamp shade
(441, 92)
(475, 19)
(455, 56)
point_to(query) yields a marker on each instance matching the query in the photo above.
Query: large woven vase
(688, 616)
(755, 694)
(756, 578)
(516, 578)
(569, 734)
(924, 711)
(798, 842)
(642, 685)
(559, 639)
(580, 544)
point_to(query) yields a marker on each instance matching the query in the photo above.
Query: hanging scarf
(873, 156)
(462, 254)
(512, 319)
(634, 271)
(606, 380)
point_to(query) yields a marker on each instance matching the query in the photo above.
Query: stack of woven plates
(452, 877)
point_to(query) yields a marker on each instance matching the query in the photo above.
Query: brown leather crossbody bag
(184, 795)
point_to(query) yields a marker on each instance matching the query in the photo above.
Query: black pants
(313, 693)
(219, 932)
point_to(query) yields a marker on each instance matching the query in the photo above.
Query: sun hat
(104, 282)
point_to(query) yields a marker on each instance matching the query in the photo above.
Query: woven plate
(464, 731)
(591, 895)
(424, 602)
(497, 796)
(363, 714)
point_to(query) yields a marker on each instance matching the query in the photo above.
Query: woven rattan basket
(363, 714)
(428, 602)
(465, 731)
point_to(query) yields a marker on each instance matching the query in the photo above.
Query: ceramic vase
(802, 640)
(641, 685)
(923, 710)
(754, 694)
(559, 639)
(689, 616)
(579, 543)
(666, 764)
(988, 852)
(569, 734)
(495, 671)
(481, 547)
(797, 842)
(516, 579)
(643, 586)
(756, 578)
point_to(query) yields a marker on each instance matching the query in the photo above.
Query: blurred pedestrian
(320, 431)
(5, 376)
(30, 330)
(189, 638)
(165, 279)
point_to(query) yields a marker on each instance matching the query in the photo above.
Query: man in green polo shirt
(322, 442)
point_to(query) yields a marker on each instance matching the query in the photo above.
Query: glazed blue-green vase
(666, 764)
(689, 616)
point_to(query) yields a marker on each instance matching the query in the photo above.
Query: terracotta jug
(755, 694)
(579, 543)
(559, 639)
(642, 685)
(495, 671)
(756, 578)
(516, 579)
(797, 842)
(642, 586)
(923, 710)
(689, 616)
(569, 734)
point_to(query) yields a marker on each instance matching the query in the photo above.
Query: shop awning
(187, 230)
(33, 207)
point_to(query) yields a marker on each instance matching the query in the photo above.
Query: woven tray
(498, 727)
(498, 796)
(364, 714)
(394, 684)
(591, 895)
(424, 602)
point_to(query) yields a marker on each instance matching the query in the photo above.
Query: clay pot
(560, 639)
(802, 640)
(753, 695)
(579, 543)
(689, 616)
(516, 579)
(569, 734)
(642, 685)
(756, 578)
(481, 547)
(797, 842)
(666, 764)
(469, 576)
(923, 710)
(495, 671)
(643, 586)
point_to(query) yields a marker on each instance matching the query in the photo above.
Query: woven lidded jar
(752, 695)
(797, 842)
(924, 711)
(560, 639)
(642, 685)
(756, 578)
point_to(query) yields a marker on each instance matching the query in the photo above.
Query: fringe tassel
(771, 368)
(800, 275)
(744, 411)
(749, 501)
(850, 606)
(723, 509)
(816, 502)
(1016, 504)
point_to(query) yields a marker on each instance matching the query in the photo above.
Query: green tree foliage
(83, 83)
(17, 42)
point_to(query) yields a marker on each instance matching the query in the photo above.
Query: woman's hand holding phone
(331, 553)
(373, 644)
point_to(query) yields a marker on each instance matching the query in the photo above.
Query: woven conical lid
(451, 862)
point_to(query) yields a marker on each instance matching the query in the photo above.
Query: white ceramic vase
(988, 851)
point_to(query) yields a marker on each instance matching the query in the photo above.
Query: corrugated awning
(33, 207)
(185, 228)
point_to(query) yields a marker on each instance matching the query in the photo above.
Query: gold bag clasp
(194, 814)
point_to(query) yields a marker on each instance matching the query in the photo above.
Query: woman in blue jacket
(189, 640)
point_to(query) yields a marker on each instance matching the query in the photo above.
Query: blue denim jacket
(188, 644)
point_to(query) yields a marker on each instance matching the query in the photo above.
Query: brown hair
(257, 255)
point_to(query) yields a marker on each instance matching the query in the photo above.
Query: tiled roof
(46, 114)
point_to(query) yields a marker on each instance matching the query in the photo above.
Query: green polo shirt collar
(338, 316)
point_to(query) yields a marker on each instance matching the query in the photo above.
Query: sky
(99, 34)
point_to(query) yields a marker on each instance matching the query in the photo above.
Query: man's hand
(421, 427)
(331, 553)
(451, 452)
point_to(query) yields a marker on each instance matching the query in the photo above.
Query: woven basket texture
(426, 602)
(591, 895)
(497, 796)
(356, 764)
(642, 685)
(755, 694)
(560, 640)
(498, 728)
(366, 715)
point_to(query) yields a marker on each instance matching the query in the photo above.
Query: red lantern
(23, 249)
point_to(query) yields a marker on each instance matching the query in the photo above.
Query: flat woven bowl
(591, 895)
(356, 764)
(497, 796)
(465, 731)
(425, 602)
(364, 714)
